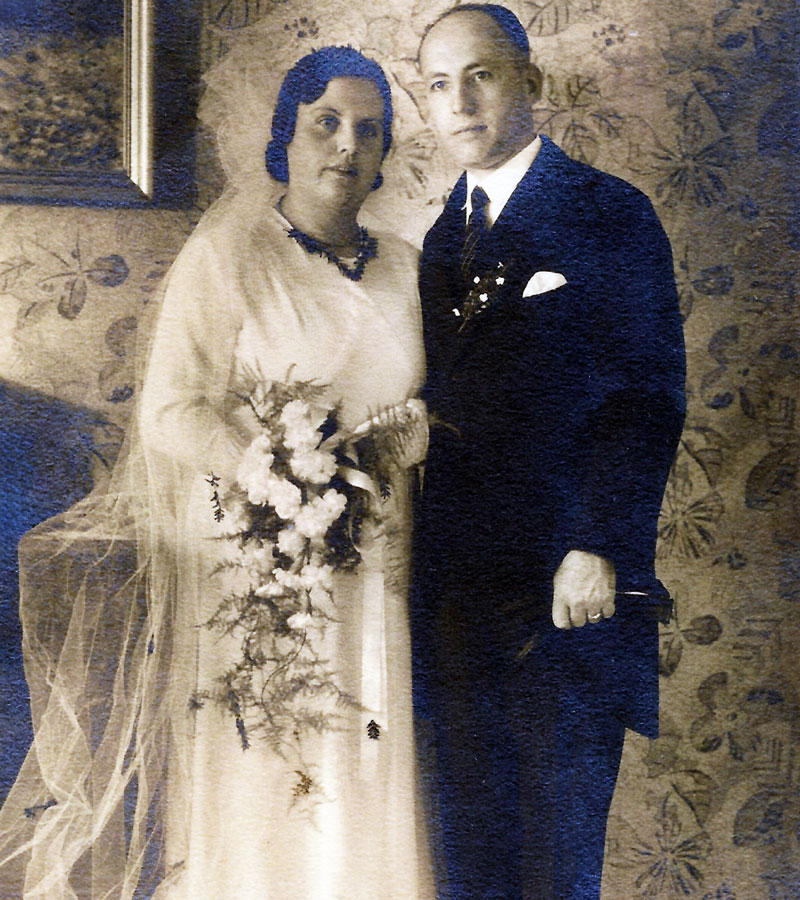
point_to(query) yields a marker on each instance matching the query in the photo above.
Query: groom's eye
(329, 123)
(438, 85)
(482, 75)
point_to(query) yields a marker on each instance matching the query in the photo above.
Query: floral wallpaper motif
(695, 103)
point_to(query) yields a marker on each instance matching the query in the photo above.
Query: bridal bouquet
(295, 516)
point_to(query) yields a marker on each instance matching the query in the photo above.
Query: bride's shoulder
(233, 229)
(395, 250)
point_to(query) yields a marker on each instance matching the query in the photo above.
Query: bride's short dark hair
(306, 82)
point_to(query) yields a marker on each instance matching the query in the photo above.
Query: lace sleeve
(185, 401)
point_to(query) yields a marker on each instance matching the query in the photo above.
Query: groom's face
(477, 88)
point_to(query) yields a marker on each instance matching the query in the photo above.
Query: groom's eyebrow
(467, 68)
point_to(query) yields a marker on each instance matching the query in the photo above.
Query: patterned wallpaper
(695, 103)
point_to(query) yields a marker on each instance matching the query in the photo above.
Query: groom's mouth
(470, 129)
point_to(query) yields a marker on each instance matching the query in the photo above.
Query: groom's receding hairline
(506, 21)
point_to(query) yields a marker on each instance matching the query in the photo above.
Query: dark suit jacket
(560, 412)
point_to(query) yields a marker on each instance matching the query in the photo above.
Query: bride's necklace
(366, 249)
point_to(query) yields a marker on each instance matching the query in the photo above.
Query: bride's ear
(378, 181)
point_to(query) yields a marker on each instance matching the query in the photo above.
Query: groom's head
(479, 84)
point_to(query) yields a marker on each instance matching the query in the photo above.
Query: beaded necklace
(367, 250)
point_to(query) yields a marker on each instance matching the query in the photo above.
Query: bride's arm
(185, 394)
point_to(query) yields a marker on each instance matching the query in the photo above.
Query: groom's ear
(535, 80)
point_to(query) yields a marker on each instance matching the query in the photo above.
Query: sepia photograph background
(695, 103)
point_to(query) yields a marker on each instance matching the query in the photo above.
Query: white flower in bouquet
(316, 517)
(300, 621)
(259, 559)
(254, 472)
(291, 542)
(288, 579)
(301, 425)
(334, 503)
(284, 496)
(313, 575)
(270, 589)
(313, 466)
(289, 569)
(321, 598)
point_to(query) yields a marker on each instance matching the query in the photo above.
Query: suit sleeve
(636, 403)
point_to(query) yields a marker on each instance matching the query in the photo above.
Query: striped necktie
(477, 229)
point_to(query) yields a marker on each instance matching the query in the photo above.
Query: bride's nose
(347, 140)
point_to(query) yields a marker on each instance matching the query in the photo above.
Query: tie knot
(478, 198)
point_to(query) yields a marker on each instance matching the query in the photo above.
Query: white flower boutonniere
(482, 294)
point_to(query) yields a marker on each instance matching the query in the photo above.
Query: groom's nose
(464, 102)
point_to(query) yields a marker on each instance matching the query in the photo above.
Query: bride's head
(331, 129)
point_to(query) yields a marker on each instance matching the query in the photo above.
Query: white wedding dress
(167, 795)
(245, 296)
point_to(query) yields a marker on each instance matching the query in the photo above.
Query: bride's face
(337, 148)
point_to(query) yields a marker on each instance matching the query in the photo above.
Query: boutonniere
(482, 294)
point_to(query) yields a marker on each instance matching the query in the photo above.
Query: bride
(139, 782)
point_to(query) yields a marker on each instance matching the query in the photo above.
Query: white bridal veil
(106, 656)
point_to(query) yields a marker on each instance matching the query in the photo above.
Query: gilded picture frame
(139, 76)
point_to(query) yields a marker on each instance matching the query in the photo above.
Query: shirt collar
(501, 183)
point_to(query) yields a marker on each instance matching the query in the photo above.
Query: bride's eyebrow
(329, 109)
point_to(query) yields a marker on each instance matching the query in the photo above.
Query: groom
(555, 374)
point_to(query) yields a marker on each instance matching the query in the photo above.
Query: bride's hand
(399, 433)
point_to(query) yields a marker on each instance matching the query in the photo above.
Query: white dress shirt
(500, 183)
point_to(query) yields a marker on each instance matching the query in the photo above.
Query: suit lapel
(532, 217)
(529, 234)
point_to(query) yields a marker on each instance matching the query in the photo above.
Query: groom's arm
(632, 424)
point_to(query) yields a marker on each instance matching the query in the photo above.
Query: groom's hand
(583, 590)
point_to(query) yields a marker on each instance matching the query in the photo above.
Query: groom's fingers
(561, 611)
(577, 615)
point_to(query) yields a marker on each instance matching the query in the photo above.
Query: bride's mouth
(343, 171)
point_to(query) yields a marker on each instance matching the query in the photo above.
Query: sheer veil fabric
(130, 790)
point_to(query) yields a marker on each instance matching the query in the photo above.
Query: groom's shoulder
(588, 183)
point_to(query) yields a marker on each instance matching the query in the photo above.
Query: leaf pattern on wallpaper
(573, 113)
(752, 366)
(748, 728)
(713, 281)
(772, 477)
(698, 791)
(723, 892)
(762, 819)
(235, 14)
(546, 17)
(42, 277)
(700, 631)
(670, 859)
(116, 376)
(693, 166)
(688, 522)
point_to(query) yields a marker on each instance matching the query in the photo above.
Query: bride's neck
(334, 228)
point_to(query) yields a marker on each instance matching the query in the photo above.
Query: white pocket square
(542, 282)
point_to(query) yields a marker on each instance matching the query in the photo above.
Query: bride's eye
(367, 129)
